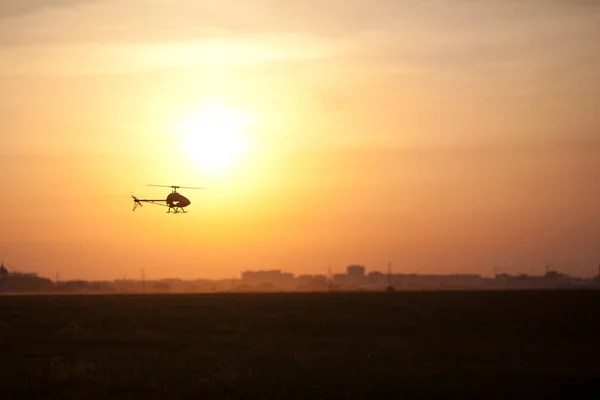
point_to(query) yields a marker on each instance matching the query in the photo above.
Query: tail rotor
(136, 202)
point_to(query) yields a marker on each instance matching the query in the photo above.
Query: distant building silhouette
(304, 280)
(26, 283)
(75, 286)
(376, 278)
(275, 280)
(161, 287)
(3, 270)
(356, 272)
(275, 277)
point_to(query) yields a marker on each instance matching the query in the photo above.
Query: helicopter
(175, 201)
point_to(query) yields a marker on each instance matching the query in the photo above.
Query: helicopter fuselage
(175, 200)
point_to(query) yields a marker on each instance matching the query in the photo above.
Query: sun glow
(212, 137)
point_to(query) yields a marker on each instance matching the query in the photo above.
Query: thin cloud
(17, 8)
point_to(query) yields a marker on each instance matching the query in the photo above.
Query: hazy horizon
(445, 137)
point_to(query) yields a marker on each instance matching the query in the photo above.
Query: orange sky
(443, 136)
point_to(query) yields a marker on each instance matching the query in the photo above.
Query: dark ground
(290, 346)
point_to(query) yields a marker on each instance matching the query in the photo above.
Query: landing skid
(176, 210)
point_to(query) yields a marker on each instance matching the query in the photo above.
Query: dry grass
(291, 346)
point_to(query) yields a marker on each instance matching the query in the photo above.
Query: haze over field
(446, 136)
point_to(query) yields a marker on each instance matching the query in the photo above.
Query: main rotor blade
(176, 187)
(191, 187)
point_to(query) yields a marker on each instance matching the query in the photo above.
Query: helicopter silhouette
(175, 201)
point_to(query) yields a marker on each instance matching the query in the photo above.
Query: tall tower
(143, 281)
(3, 274)
(390, 287)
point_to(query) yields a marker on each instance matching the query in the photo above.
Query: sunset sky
(444, 136)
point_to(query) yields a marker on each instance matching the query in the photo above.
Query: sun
(212, 137)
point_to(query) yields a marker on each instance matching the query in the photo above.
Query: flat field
(291, 346)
